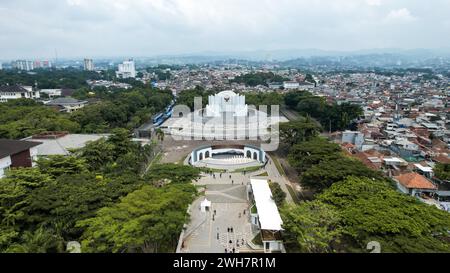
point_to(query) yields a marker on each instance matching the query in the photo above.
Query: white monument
(226, 102)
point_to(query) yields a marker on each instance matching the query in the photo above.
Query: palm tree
(40, 241)
(160, 134)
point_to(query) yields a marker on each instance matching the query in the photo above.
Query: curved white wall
(249, 152)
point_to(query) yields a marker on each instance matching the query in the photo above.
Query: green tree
(75, 197)
(97, 154)
(172, 172)
(373, 210)
(121, 141)
(147, 220)
(326, 173)
(24, 117)
(57, 165)
(297, 131)
(312, 227)
(277, 193)
(442, 171)
(38, 241)
(303, 156)
(14, 193)
(160, 134)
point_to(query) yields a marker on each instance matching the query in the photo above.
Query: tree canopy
(303, 156)
(172, 172)
(442, 171)
(147, 220)
(332, 116)
(328, 172)
(356, 211)
(259, 78)
(24, 117)
(277, 193)
(294, 132)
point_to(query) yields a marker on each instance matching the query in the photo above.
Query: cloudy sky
(93, 28)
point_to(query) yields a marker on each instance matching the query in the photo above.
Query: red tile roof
(415, 181)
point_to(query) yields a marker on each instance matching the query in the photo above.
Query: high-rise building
(24, 65)
(126, 70)
(88, 65)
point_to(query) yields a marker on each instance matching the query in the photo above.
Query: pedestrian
(244, 211)
(239, 215)
(226, 250)
(217, 235)
(231, 230)
(230, 242)
(230, 176)
(232, 181)
(228, 229)
(233, 250)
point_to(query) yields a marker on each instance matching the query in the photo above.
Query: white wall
(196, 154)
(273, 246)
(402, 188)
(34, 155)
(252, 150)
(4, 165)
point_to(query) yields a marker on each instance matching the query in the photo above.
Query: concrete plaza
(208, 231)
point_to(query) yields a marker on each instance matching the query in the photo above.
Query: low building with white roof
(265, 215)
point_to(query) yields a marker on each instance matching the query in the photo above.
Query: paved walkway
(275, 176)
(208, 232)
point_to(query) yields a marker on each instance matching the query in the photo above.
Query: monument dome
(226, 102)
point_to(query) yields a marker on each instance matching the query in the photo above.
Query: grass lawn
(206, 170)
(257, 240)
(278, 165)
(248, 169)
(293, 194)
(253, 209)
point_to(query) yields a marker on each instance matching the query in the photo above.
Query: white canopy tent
(205, 205)
(268, 214)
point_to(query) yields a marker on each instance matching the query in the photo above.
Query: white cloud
(151, 27)
(373, 2)
(402, 15)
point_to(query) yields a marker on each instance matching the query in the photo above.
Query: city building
(291, 85)
(17, 153)
(89, 65)
(51, 92)
(60, 143)
(23, 65)
(108, 84)
(67, 104)
(17, 92)
(355, 138)
(414, 184)
(126, 70)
